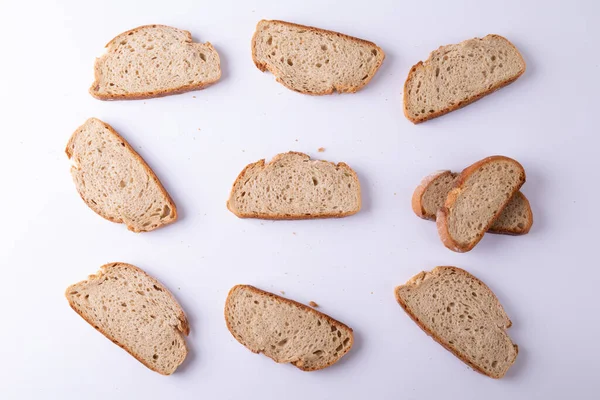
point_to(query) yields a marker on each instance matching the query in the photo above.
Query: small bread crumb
(321, 149)
(313, 304)
(282, 292)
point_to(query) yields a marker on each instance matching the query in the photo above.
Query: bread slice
(430, 195)
(292, 186)
(458, 74)
(462, 314)
(154, 61)
(136, 312)
(314, 61)
(480, 194)
(114, 180)
(284, 330)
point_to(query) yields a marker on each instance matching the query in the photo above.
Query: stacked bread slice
(484, 197)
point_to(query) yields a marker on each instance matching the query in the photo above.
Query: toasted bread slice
(480, 194)
(154, 61)
(430, 195)
(136, 312)
(458, 74)
(292, 186)
(314, 61)
(114, 180)
(462, 314)
(284, 330)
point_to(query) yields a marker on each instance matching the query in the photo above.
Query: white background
(198, 142)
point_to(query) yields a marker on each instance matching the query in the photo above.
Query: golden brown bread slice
(292, 186)
(462, 314)
(481, 193)
(115, 181)
(314, 61)
(154, 61)
(430, 195)
(458, 74)
(136, 312)
(284, 330)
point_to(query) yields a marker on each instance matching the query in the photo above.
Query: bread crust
(139, 158)
(148, 95)
(261, 164)
(183, 326)
(301, 306)
(341, 89)
(515, 232)
(415, 280)
(417, 198)
(442, 214)
(462, 103)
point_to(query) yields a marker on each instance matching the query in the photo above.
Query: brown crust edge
(437, 338)
(158, 93)
(184, 328)
(442, 214)
(144, 165)
(301, 306)
(463, 103)
(417, 197)
(262, 164)
(350, 89)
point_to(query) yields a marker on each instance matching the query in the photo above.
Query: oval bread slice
(115, 181)
(292, 186)
(136, 312)
(458, 74)
(462, 314)
(480, 194)
(312, 60)
(430, 195)
(154, 61)
(284, 330)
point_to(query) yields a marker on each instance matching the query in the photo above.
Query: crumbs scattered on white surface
(313, 304)
(321, 149)
(294, 233)
(193, 97)
(282, 292)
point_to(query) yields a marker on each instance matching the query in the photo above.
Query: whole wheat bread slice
(430, 195)
(479, 196)
(314, 61)
(462, 314)
(136, 312)
(458, 74)
(114, 180)
(284, 330)
(154, 61)
(292, 186)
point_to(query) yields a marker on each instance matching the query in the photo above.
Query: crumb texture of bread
(136, 312)
(314, 61)
(153, 61)
(515, 219)
(481, 193)
(292, 186)
(114, 180)
(284, 330)
(463, 315)
(458, 74)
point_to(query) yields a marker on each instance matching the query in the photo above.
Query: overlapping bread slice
(430, 195)
(314, 61)
(462, 314)
(136, 312)
(458, 74)
(153, 61)
(114, 180)
(292, 186)
(284, 330)
(480, 194)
